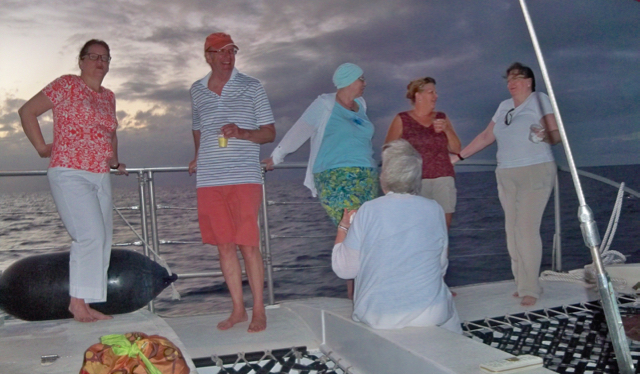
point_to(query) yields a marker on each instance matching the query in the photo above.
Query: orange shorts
(229, 214)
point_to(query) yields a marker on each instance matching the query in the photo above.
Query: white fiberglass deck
(300, 323)
(479, 301)
(22, 344)
(318, 324)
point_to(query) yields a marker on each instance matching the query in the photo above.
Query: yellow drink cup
(222, 141)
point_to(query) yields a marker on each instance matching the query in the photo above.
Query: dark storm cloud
(9, 120)
(176, 93)
(591, 49)
(158, 137)
(428, 41)
(15, 150)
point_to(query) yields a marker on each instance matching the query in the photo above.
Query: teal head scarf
(346, 74)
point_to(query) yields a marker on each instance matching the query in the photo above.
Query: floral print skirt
(347, 187)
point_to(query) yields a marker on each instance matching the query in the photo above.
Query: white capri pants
(83, 200)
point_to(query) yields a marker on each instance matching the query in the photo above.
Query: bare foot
(515, 294)
(258, 322)
(98, 315)
(80, 311)
(528, 301)
(453, 293)
(232, 320)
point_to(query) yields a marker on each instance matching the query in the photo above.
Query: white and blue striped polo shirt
(243, 102)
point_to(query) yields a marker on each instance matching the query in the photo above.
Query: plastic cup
(439, 117)
(222, 141)
(536, 133)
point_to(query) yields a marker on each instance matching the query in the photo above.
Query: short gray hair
(401, 168)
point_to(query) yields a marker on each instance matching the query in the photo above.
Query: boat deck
(479, 301)
(22, 344)
(319, 324)
(473, 302)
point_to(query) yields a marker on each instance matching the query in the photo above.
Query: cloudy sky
(592, 51)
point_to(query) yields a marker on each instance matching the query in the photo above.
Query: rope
(587, 276)
(175, 295)
(575, 276)
(611, 257)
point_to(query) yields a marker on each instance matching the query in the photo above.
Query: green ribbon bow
(122, 346)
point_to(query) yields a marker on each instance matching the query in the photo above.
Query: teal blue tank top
(346, 141)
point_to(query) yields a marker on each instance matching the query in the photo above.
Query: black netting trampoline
(295, 360)
(570, 339)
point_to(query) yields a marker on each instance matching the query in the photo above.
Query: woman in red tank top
(432, 135)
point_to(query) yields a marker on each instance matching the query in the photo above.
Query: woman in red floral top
(432, 135)
(84, 148)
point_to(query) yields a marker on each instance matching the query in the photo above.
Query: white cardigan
(311, 124)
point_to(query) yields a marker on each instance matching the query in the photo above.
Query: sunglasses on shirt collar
(509, 116)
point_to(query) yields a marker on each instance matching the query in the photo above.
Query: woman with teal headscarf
(341, 169)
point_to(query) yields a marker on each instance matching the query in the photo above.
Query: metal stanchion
(267, 244)
(142, 190)
(556, 261)
(152, 211)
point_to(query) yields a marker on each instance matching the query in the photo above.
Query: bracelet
(460, 157)
(346, 229)
(115, 167)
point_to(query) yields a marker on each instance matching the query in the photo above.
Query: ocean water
(29, 224)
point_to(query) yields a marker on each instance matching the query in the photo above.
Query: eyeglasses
(515, 77)
(509, 116)
(95, 56)
(361, 78)
(232, 51)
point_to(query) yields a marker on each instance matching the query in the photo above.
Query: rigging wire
(587, 275)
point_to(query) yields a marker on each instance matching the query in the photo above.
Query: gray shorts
(443, 190)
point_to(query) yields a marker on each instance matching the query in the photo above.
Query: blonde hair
(416, 86)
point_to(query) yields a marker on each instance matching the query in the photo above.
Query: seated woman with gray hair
(396, 250)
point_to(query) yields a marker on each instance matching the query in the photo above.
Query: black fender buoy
(36, 288)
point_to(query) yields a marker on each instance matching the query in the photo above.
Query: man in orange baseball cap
(232, 117)
(218, 41)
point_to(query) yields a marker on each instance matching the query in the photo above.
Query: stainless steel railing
(150, 231)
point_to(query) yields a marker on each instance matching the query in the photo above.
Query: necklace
(353, 107)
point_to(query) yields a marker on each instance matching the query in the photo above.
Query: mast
(587, 225)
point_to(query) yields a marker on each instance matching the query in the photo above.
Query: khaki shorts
(442, 190)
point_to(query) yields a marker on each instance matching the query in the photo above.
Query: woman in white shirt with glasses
(524, 128)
